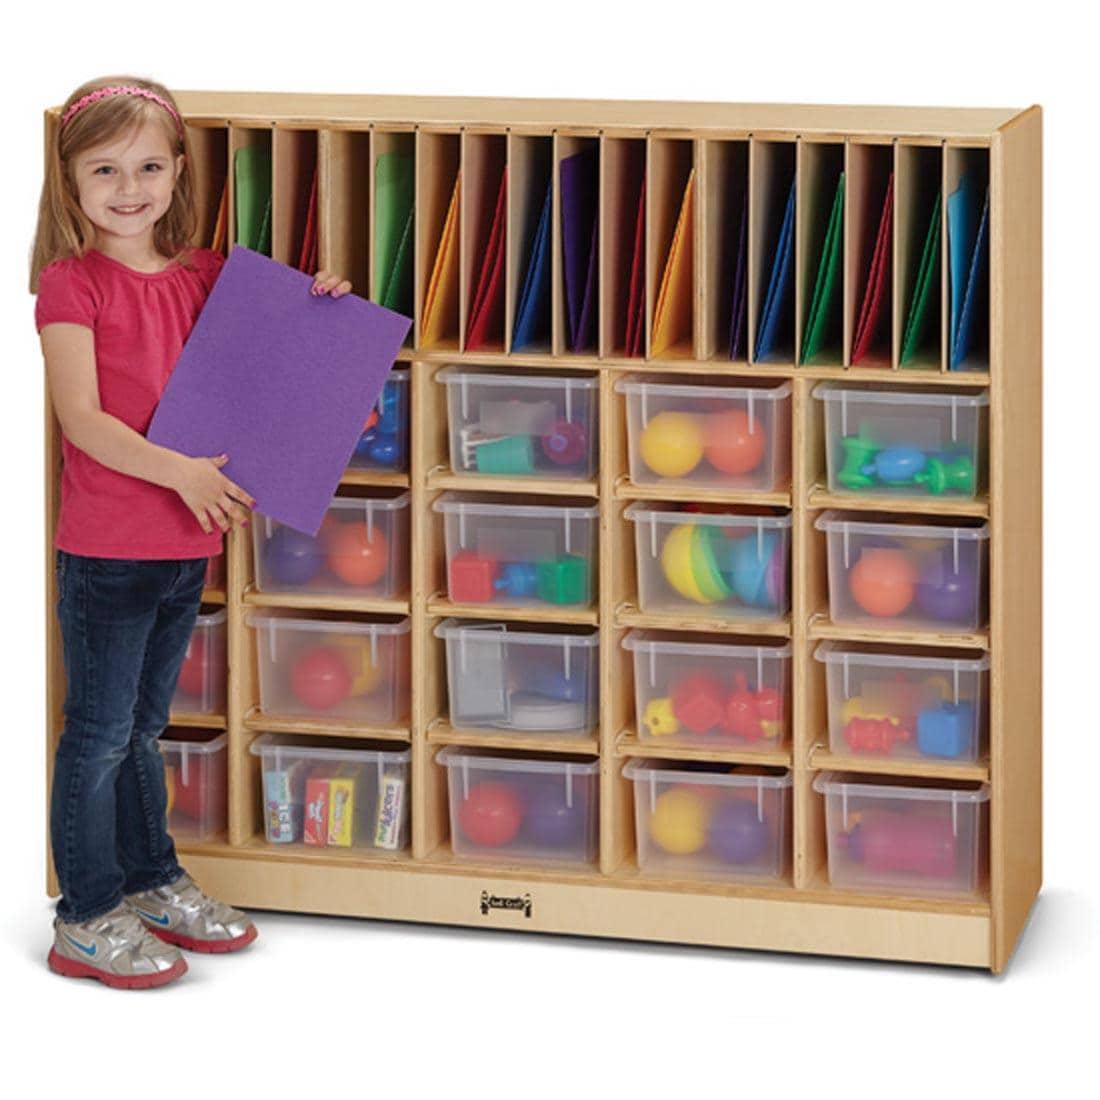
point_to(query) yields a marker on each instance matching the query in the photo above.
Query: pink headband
(122, 89)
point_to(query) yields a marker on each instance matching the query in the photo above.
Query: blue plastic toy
(945, 730)
(896, 465)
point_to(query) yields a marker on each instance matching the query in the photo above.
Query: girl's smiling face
(125, 186)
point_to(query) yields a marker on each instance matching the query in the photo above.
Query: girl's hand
(325, 283)
(210, 494)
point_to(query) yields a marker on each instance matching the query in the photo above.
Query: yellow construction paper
(673, 313)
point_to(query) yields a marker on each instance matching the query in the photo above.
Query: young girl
(119, 288)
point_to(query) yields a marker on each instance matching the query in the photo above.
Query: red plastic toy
(193, 670)
(903, 842)
(472, 578)
(321, 678)
(490, 815)
(697, 702)
(752, 714)
(356, 556)
(875, 734)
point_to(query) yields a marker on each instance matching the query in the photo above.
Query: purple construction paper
(579, 185)
(584, 325)
(737, 317)
(280, 380)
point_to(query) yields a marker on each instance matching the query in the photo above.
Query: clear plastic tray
(323, 794)
(711, 819)
(734, 566)
(735, 437)
(521, 425)
(322, 668)
(897, 442)
(905, 835)
(362, 548)
(905, 705)
(384, 444)
(897, 573)
(692, 691)
(519, 555)
(195, 777)
(522, 809)
(202, 678)
(502, 676)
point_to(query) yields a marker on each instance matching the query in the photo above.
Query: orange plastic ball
(356, 556)
(883, 582)
(733, 443)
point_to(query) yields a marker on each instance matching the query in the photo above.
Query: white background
(353, 1008)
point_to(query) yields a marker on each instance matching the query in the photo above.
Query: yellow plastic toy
(365, 674)
(687, 559)
(671, 444)
(658, 718)
(678, 824)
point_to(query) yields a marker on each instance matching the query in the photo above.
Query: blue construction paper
(962, 336)
(533, 312)
(960, 243)
(778, 283)
(579, 190)
(280, 380)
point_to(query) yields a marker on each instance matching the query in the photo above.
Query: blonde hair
(63, 228)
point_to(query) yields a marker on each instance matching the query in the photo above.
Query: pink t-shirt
(141, 322)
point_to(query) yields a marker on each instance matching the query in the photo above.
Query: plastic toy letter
(280, 380)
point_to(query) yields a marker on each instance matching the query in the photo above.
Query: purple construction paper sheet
(737, 317)
(579, 184)
(280, 380)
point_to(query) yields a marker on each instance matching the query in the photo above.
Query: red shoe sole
(73, 968)
(206, 947)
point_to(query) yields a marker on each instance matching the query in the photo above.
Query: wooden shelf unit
(426, 883)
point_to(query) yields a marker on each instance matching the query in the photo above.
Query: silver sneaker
(116, 949)
(182, 914)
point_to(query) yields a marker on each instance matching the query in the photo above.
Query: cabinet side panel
(1016, 512)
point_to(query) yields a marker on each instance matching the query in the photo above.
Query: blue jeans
(125, 628)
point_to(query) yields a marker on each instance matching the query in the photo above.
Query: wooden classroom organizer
(758, 145)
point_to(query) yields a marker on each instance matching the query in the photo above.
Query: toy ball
(320, 678)
(671, 444)
(291, 557)
(550, 822)
(490, 815)
(736, 833)
(734, 443)
(883, 582)
(565, 444)
(756, 569)
(678, 823)
(946, 593)
(357, 555)
(192, 675)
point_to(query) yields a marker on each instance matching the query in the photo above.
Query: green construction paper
(394, 230)
(825, 283)
(917, 321)
(252, 189)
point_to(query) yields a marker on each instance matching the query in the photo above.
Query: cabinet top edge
(953, 123)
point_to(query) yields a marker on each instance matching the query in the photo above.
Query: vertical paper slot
(671, 248)
(966, 175)
(294, 198)
(394, 178)
(725, 193)
(771, 251)
(252, 189)
(209, 179)
(483, 205)
(579, 187)
(622, 282)
(919, 305)
(343, 178)
(821, 267)
(870, 240)
(530, 220)
(438, 199)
